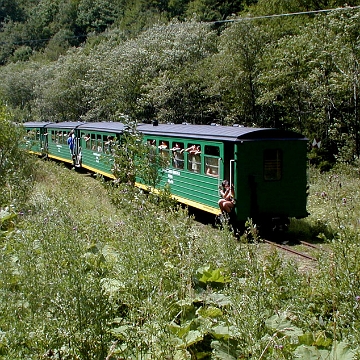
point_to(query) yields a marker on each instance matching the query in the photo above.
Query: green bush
(103, 273)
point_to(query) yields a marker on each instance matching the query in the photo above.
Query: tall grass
(93, 272)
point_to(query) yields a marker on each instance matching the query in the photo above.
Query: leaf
(206, 275)
(209, 312)
(223, 332)
(219, 299)
(322, 340)
(281, 324)
(305, 352)
(6, 215)
(193, 337)
(342, 351)
(182, 355)
(112, 286)
(180, 331)
(120, 332)
(306, 339)
(222, 351)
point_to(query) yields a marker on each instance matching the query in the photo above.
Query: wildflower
(323, 194)
(344, 201)
(357, 298)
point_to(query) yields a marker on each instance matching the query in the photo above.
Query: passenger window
(86, 138)
(194, 157)
(99, 144)
(177, 151)
(30, 135)
(63, 137)
(164, 148)
(163, 145)
(53, 136)
(60, 141)
(272, 164)
(93, 142)
(212, 160)
(58, 137)
(108, 142)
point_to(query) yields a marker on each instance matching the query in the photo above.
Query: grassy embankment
(93, 274)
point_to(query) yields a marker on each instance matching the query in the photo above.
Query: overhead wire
(216, 22)
(286, 14)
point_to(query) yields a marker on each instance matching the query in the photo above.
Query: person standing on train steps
(71, 142)
(227, 201)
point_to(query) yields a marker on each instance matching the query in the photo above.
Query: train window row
(190, 156)
(206, 157)
(59, 137)
(97, 142)
(94, 142)
(32, 135)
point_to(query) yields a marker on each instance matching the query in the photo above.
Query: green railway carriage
(35, 138)
(268, 167)
(57, 147)
(95, 141)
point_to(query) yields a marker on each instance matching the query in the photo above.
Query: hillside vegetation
(92, 272)
(197, 61)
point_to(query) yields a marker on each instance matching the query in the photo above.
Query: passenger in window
(193, 149)
(212, 166)
(178, 159)
(195, 160)
(163, 145)
(87, 137)
(210, 171)
(176, 147)
(227, 201)
(108, 143)
(108, 140)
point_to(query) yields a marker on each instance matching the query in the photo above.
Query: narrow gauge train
(268, 167)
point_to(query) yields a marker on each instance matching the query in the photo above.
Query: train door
(45, 142)
(230, 169)
(77, 151)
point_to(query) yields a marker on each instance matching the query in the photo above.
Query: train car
(35, 137)
(57, 135)
(267, 167)
(95, 141)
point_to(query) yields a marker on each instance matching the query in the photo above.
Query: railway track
(299, 254)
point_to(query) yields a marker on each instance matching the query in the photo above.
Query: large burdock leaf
(193, 337)
(281, 324)
(222, 351)
(339, 351)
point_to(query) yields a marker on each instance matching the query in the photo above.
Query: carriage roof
(217, 132)
(201, 132)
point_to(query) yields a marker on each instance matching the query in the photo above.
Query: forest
(285, 64)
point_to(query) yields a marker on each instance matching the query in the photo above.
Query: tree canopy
(196, 61)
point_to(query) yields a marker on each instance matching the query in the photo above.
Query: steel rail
(286, 248)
